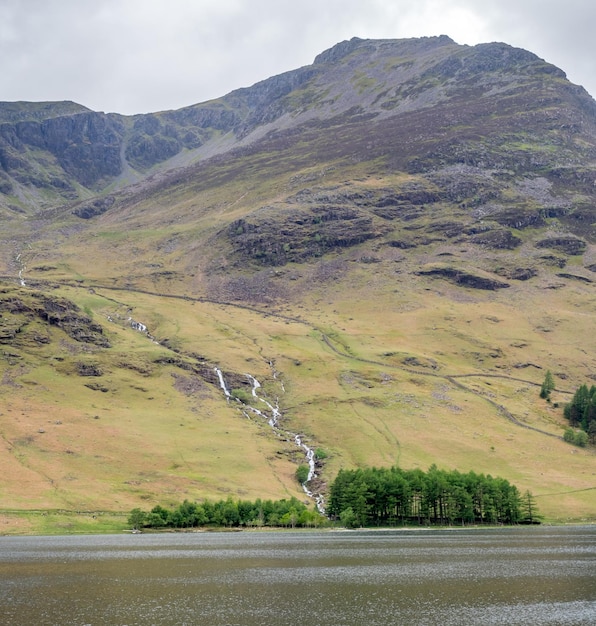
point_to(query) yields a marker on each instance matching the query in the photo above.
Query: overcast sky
(138, 56)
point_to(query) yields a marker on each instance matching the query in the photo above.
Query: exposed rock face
(84, 146)
(87, 146)
(582, 279)
(275, 236)
(50, 147)
(499, 239)
(466, 279)
(95, 207)
(72, 147)
(89, 369)
(54, 311)
(567, 244)
(517, 273)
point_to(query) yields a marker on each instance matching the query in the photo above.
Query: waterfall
(21, 270)
(222, 382)
(137, 325)
(310, 457)
(275, 413)
(273, 421)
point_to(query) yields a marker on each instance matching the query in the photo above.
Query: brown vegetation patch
(188, 385)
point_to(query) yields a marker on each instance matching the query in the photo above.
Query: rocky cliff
(51, 153)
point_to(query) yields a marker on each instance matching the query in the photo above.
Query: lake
(526, 575)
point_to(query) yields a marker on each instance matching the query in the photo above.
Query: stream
(21, 270)
(273, 417)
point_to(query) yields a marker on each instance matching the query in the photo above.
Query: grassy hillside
(432, 376)
(382, 361)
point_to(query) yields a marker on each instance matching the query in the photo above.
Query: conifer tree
(529, 510)
(547, 386)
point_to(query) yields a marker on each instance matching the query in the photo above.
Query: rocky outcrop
(66, 315)
(54, 311)
(93, 208)
(517, 273)
(89, 369)
(567, 244)
(273, 236)
(582, 279)
(464, 278)
(497, 239)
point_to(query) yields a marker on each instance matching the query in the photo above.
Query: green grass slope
(368, 373)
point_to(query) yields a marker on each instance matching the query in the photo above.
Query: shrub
(302, 474)
(576, 437)
(136, 519)
(348, 518)
(569, 435)
(242, 395)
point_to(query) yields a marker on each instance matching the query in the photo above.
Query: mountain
(397, 242)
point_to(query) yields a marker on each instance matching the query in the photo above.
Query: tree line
(363, 498)
(581, 413)
(228, 513)
(389, 497)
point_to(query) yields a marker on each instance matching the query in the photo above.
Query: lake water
(449, 577)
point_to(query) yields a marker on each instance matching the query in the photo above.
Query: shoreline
(61, 522)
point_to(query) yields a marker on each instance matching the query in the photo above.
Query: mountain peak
(344, 48)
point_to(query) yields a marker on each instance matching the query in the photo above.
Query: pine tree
(581, 411)
(529, 510)
(547, 386)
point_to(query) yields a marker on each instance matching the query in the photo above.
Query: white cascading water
(222, 382)
(21, 270)
(275, 414)
(273, 421)
(137, 325)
